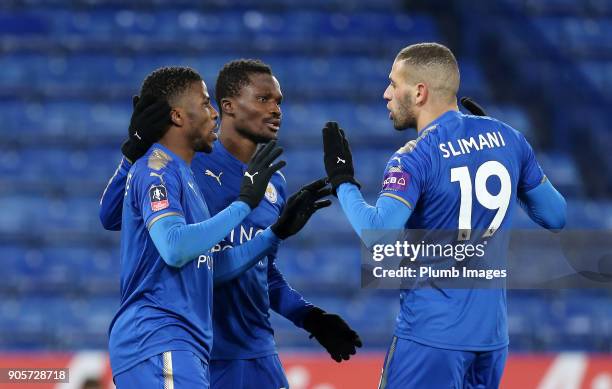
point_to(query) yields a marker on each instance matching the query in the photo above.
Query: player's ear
(421, 93)
(227, 106)
(177, 117)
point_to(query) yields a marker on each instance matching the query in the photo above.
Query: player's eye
(262, 99)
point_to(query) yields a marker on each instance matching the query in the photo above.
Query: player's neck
(429, 114)
(179, 145)
(237, 145)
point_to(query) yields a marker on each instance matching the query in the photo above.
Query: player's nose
(214, 114)
(387, 94)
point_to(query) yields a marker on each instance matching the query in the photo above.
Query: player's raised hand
(150, 119)
(300, 207)
(472, 106)
(332, 332)
(258, 173)
(337, 156)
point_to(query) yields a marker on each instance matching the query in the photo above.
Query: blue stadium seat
(33, 214)
(555, 7)
(580, 36)
(66, 118)
(328, 262)
(599, 73)
(226, 24)
(562, 171)
(473, 82)
(57, 321)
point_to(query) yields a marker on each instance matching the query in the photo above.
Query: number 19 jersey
(462, 173)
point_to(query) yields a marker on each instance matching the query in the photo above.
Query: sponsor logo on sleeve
(159, 197)
(396, 180)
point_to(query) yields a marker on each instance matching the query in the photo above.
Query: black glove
(337, 157)
(472, 106)
(332, 333)
(300, 207)
(258, 174)
(149, 122)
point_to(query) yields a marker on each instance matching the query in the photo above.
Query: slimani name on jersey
(488, 140)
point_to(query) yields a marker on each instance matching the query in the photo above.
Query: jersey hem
(125, 367)
(457, 347)
(244, 356)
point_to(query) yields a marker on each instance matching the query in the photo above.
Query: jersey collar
(219, 148)
(446, 116)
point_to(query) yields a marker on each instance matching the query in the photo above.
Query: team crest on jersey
(159, 197)
(271, 193)
(396, 179)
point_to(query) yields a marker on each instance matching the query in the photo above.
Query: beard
(200, 143)
(405, 117)
(202, 146)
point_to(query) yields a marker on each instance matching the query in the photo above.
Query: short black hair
(234, 75)
(169, 82)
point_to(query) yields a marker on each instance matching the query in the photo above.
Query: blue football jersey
(241, 322)
(462, 173)
(162, 308)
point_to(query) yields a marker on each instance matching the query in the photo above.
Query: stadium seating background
(69, 68)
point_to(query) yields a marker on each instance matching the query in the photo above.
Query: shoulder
(487, 122)
(423, 141)
(416, 150)
(512, 133)
(155, 166)
(158, 159)
(509, 133)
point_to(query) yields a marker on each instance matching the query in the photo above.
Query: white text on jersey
(488, 140)
(237, 236)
